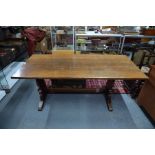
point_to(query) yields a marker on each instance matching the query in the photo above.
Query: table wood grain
(79, 66)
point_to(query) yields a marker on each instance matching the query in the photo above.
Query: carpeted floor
(18, 110)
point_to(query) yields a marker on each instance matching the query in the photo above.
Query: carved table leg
(42, 89)
(108, 92)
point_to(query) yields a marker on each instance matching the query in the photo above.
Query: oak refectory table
(78, 67)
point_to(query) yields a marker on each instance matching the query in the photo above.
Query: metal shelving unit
(86, 37)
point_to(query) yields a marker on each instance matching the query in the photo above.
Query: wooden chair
(147, 60)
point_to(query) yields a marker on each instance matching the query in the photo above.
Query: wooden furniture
(78, 67)
(146, 97)
(145, 62)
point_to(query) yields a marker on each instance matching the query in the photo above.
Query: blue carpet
(18, 110)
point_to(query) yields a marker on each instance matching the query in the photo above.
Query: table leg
(42, 89)
(108, 92)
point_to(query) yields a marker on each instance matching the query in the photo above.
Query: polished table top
(79, 66)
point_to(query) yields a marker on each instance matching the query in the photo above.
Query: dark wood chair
(147, 59)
